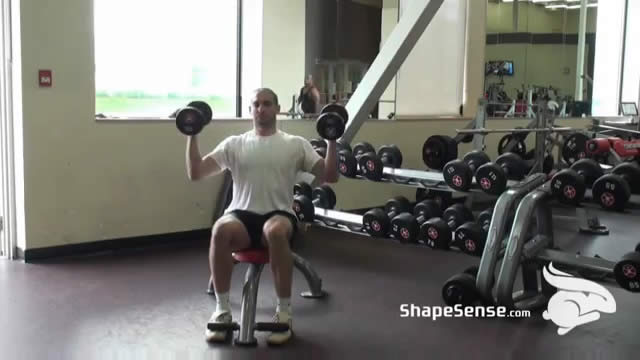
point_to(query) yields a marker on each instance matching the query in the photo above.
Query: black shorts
(255, 222)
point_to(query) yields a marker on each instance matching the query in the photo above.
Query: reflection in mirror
(532, 52)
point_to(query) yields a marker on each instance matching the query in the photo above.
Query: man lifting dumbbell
(264, 162)
(437, 231)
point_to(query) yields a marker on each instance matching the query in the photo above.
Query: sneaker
(279, 338)
(218, 336)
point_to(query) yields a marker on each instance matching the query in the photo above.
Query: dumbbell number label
(634, 285)
(610, 186)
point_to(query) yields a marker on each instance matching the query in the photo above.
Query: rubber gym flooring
(151, 304)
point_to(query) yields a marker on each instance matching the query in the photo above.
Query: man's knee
(224, 230)
(277, 232)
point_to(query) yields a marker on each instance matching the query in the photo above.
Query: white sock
(222, 302)
(284, 305)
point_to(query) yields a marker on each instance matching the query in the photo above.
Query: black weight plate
(376, 223)
(589, 169)
(370, 166)
(390, 156)
(347, 164)
(397, 205)
(204, 108)
(574, 148)
(519, 147)
(458, 213)
(568, 187)
(330, 126)
(631, 173)
(437, 151)
(611, 191)
(338, 109)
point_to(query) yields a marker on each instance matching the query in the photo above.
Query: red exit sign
(44, 78)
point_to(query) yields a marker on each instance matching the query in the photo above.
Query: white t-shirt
(264, 169)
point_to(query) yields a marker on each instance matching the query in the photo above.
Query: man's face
(264, 109)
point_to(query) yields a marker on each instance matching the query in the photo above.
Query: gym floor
(151, 303)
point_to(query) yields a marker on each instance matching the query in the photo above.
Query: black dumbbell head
(484, 219)
(303, 207)
(376, 222)
(439, 150)
(458, 214)
(204, 108)
(347, 164)
(568, 187)
(630, 172)
(330, 126)
(458, 175)
(470, 238)
(460, 289)
(371, 166)
(363, 148)
(404, 228)
(611, 191)
(476, 158)
(426, 210)
(302, 188)
(436, 234)
(627, 272)
(515, 166)
(338, 109)
(325, 196)
(390, 156)
(397, 205)
(589, 169)
(491, 178)
(574, 147)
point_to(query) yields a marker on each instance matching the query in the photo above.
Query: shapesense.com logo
(459, 311)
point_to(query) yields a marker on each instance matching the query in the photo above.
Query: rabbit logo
(577, 301)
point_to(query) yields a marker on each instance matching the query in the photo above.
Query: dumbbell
(304, 204)
(332, 121)
(320, 146)
(458, 174)
(493, 176)
(377, 222)
(569, 185)
(437, 231)
(372, 164)
(471, 237)
(348, 160)
(438, 150)
(612, 191)
(190, 120)
(405, 227)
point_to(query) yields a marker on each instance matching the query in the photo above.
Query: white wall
(283, 57)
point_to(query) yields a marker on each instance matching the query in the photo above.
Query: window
(153, 57)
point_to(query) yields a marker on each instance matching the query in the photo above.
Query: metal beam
(416, 17)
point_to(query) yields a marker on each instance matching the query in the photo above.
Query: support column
(582, 37)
